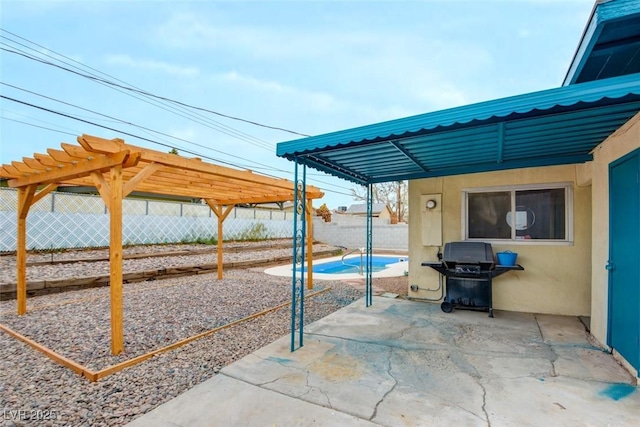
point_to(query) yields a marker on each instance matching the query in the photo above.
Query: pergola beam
(71, 171)
(100, 145)
(145, 173)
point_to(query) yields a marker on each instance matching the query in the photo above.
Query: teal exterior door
(624, 257)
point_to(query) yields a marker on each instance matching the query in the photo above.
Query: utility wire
(196, 117)
(165, 98)
(154, 131)
(139, 137)
(268, 147)
(37, 126)
(216, 125)
(145, 93)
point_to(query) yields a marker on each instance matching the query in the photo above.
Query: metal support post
(297, 280)
(369, 259)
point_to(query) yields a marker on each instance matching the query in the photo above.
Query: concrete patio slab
(400, 363)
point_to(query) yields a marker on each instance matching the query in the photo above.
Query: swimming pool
(352, 264)
(384, 265)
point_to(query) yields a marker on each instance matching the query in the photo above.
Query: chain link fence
(65, 220)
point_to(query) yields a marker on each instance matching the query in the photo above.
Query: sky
(307, 67)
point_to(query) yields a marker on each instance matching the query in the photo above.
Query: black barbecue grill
(469, 269)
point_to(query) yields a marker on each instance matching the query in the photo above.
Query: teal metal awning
(550, 127)
(610, 44)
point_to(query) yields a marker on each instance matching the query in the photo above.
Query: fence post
(53, 201)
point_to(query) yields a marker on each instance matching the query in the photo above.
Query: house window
(521, 213)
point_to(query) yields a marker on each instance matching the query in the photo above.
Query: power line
(135, 136)
(133, 89)
(151, 130)
(216, 125)
(22, 53)
(37, 126)
(122, 121)
(196, 117)
(147, 94)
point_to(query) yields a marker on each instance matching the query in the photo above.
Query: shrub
(324, 212)
(255, 232)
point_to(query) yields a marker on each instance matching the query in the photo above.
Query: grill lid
(468, 253)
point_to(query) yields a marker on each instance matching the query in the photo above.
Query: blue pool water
(352, 264)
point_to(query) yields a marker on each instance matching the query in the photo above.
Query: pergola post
(221, 215)
(115, 259)
(25, 199)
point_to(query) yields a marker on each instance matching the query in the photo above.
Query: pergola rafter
(116, 169)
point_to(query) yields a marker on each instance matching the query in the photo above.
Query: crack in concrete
(395, 384)
(319, 389)
(484, 403)
(554, 355)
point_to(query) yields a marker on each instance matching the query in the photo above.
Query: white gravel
(76, 324)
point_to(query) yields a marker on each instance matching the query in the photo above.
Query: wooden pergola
(116, 169)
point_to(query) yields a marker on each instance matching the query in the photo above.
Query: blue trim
(604, 15)
(589, 37)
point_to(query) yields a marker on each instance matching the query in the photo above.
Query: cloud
(318, 100)
(335, 68)
(152, 65)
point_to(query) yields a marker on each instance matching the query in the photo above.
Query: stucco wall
(556, 279)
(622, 142)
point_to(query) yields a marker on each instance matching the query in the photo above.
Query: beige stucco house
(553, 176)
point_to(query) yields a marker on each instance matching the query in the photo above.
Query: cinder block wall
(352, 233)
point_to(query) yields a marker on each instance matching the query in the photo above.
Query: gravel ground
(76, 324)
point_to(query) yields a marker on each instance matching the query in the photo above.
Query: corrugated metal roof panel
(547, 127)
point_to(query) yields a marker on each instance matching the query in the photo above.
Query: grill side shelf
(501, 269)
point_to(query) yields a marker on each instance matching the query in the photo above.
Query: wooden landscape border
(94, 376)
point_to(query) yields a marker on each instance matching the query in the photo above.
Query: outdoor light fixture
(431, 204)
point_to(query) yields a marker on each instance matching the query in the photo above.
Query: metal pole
(297, 280)
(369, 269)
(303, 240)
(293, 258)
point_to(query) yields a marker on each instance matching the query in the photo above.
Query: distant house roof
(361, 209)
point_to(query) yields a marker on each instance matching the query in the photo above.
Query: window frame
(568, 212)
